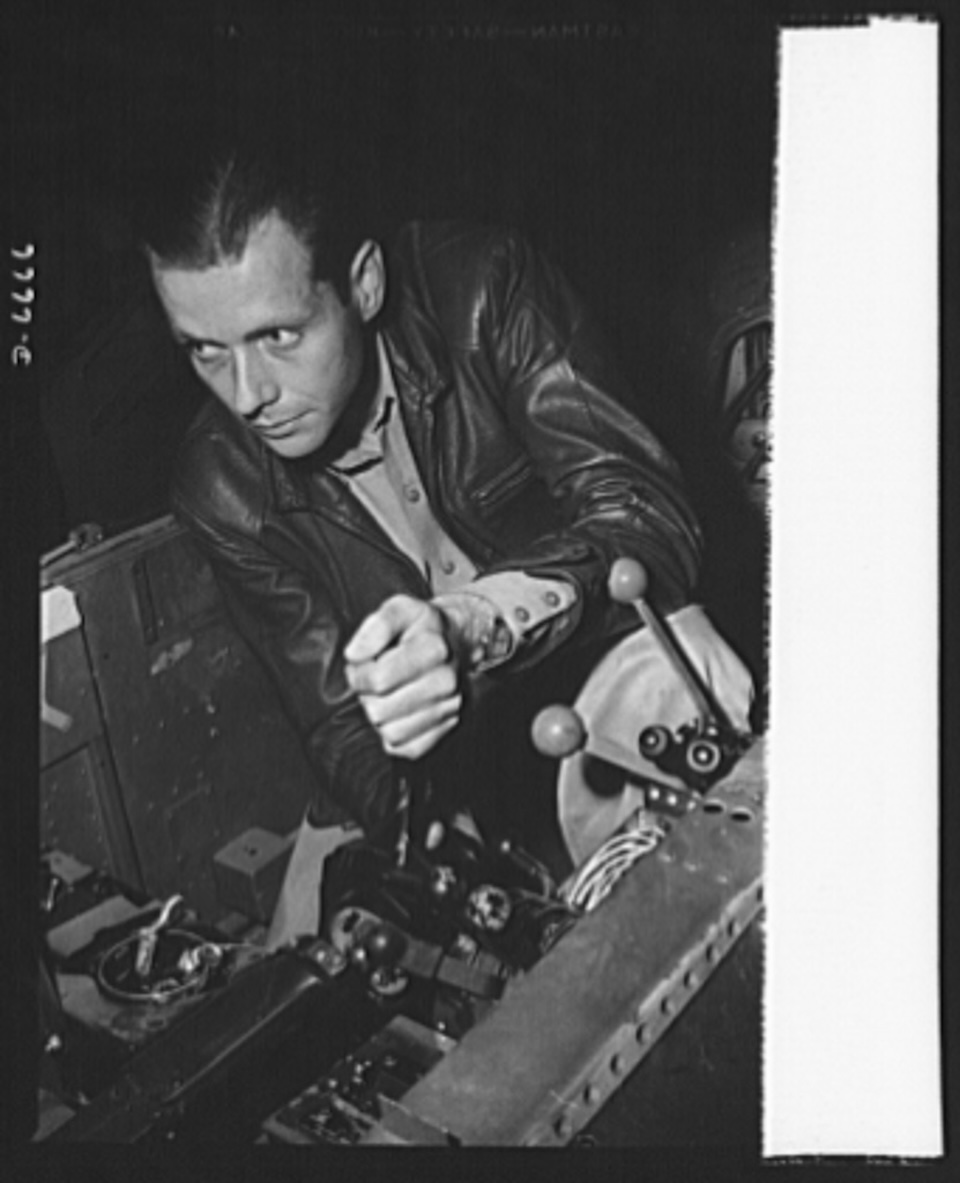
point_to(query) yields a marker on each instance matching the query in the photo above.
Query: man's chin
(295, 446)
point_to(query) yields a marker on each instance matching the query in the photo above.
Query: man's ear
(368, 280)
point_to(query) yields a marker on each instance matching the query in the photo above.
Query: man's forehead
(270, 278)
(271, 250)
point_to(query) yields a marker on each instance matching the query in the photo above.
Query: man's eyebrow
(188, 339)
(293, 324)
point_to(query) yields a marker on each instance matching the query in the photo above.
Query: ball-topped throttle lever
(558, 732)
(627, 584)
(628, 581)
(699, 752)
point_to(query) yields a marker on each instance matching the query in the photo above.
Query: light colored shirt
(382, 474)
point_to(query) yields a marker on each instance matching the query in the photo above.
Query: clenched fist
(405, 661)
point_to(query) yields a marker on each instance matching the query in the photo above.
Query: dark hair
(202, 209)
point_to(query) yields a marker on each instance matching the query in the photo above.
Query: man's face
(281, 350)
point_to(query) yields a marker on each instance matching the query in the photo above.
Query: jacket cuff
(356, 776)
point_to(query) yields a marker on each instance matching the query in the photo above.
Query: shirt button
(522, 615)
(412, 493)
(551, 598)
(448, 566)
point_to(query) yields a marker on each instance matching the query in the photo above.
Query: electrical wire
(610, 862)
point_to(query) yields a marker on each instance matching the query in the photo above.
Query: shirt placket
(447, 567)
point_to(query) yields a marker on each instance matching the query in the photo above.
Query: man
(417, 470)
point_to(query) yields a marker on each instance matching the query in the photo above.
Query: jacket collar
(294, 484)
(418, 351)
(419, 359)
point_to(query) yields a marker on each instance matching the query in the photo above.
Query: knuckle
(400, 606)
(376, 680)
(435, 648)
(373, 711)
(392, 731)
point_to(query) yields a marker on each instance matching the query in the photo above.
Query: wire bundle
(608, 864)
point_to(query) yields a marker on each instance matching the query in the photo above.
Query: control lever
(627, 585)
(699, 753)
(558, 732)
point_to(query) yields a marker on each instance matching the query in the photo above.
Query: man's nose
(253, 386)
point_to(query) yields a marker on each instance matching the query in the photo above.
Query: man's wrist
(482, 635)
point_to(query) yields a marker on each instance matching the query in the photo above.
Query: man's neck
(363, 406)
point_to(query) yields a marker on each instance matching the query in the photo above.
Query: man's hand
(404, 663)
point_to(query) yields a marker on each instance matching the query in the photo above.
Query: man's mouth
(273, 430)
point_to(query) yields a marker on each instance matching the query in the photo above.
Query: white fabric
(297, 911)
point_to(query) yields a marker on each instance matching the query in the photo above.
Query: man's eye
(204, 352)
(282, 338)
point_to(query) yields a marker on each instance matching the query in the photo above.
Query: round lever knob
(384, 945)
(628, 581)
(558, 731)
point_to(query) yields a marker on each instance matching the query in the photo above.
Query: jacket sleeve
(619, 491)
(292, 627)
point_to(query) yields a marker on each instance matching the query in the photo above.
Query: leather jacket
(531, 460)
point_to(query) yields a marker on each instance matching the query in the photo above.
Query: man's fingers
(383, 627)
(415, 748)
(401, 715)
(419, 655)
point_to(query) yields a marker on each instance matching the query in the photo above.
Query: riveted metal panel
(81, 812)
(71, 718)
(200, 745)
(193, 827)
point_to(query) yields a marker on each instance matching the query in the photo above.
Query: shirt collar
(369, 448)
